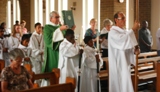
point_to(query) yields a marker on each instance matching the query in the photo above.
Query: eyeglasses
(123, 18)
(57, 17)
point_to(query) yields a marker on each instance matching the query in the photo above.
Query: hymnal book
(68, 18)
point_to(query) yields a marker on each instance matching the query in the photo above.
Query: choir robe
(89, 70)
(27, 53)
(37, 44)
(13, 42)
(4, 55)
(68, 60)
(121, 44)
(52, 39)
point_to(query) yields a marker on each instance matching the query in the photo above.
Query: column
(40, 11)
(8, 24)
(14, 11)
(18, 11)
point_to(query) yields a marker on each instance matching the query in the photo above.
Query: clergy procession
(118, 57)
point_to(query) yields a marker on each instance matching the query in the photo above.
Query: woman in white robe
(15, 39)
(89, 67)
(122, 46)
(37, 45)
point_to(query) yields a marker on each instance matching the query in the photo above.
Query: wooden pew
(147, 75)
(67, 87)
(158, 77)
(2, 64)
(103, 75)
(52, 76)
(145, 55)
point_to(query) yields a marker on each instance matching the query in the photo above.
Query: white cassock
(13, 42)
(4, 55)
(37, 44)
(121, 55)
(68, 60)
(27, 53)
(89, 70)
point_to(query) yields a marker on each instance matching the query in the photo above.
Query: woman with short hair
(15, 77)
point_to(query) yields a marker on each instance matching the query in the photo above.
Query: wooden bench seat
(103, 75)
(145, 55)
(52, 76)
(67, 87)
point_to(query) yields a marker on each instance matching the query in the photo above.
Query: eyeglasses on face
(57, 17)
(123, 18)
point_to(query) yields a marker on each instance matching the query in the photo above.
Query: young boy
(89, 67)
(68, 57)
(4, 48)
(26, 51)
(37, 45)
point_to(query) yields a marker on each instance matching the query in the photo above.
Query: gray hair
(107, 22)
(52, 13)
(13, 54)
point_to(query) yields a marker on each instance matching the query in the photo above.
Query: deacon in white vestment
(68, 57)
(37, 45)
(122, 45)
(89, 67)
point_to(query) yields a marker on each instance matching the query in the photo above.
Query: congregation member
(23, 24)
(6, 31)
(15, 77)
(107, 24)
(68, 57)
(37, 45)
(122, 47)
(92, 31)
(15, 38)
(145, 38)
(89, 67)
(4, 48)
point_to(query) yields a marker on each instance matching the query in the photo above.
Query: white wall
(155, 20)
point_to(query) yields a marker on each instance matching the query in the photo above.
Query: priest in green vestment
(53, 35)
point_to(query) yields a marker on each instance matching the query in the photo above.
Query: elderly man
(53, 35)
(122, 45)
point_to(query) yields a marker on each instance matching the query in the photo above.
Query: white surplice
(4, 55)
(14, 42)
(121, 55)
(27, 53)
(89, 70)
(36, 43)
(68, 60)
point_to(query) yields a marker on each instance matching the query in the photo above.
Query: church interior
(147, 71)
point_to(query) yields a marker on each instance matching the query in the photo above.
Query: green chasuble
(51, 49)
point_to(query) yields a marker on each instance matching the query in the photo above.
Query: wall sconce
(73, 8)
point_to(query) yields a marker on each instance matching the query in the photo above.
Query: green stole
(51, 49)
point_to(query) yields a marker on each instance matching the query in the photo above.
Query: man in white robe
(37, 44)
(122, 45)
(68, 57)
